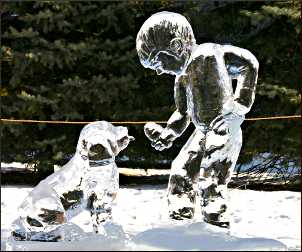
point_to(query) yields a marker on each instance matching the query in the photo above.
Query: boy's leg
(183, 177)
(217, 166)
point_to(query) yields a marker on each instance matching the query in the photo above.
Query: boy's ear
(176, 45)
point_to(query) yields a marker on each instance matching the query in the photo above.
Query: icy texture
(204, 95)
(83, 189)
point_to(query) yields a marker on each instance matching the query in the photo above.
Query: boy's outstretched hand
(160, 138)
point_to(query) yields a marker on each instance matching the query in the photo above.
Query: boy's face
(167, 61)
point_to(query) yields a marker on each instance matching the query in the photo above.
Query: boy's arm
(243, 66)
(179, 120)
(177, 123)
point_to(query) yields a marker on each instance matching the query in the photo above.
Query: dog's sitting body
(86, 186)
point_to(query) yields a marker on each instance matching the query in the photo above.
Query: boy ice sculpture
(86, 186)
(203, 93)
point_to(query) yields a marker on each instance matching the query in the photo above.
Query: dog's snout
(98, 152)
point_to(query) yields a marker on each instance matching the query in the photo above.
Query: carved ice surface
(204, 95)
(79, 196)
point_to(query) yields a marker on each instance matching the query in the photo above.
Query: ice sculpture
(203, 92)
(80, 193)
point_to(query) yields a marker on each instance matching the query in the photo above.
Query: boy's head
(164, 42)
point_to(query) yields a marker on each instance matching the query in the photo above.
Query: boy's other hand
(221, 124)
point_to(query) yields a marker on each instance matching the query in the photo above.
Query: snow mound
(201, 237)
(89, 243)
(196, 236)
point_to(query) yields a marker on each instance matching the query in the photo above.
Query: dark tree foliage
(77, 61)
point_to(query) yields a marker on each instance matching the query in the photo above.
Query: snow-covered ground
(261, 221)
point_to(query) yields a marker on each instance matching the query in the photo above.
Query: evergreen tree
(70, 61)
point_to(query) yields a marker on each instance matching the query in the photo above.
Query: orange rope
(273, 118)
(8, 121)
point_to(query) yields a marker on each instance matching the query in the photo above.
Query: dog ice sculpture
(86, 186)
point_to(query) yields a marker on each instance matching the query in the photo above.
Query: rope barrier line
(16, 121)
(273, 118)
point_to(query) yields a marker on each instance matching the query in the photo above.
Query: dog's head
(101, 140)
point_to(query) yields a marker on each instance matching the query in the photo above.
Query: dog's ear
(114, 147)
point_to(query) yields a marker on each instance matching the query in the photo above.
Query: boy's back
(207, 83)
